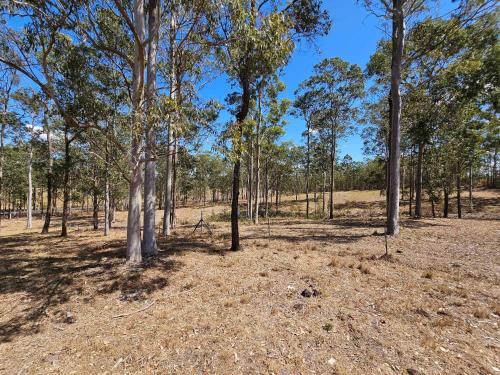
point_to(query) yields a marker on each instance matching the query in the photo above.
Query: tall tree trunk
(134, 254)
(50, 164)
(277, 195)
(397, 56)
(95, 201)
(388, 158)
(2, 158)
(308, 166)
(240, 118)
(167, 205)
(459, 199)
(29, 214)
(418, 196)
(471, 205)
(324, 193)
(106, 191)
(66, 188)
(333, 154)
(149, 246)
(257, 156)
(446, 205)
(412, 186)
(250, 182)
(495, 168)
(174, 182)
(167, 211)
(266, 189)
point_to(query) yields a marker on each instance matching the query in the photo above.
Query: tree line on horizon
(113, 113)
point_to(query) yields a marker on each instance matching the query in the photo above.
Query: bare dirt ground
(304, 297)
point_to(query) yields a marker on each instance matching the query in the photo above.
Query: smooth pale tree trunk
(418, 190)
(149, 246)
(66, 188)
(174, 183)
(257, 157)
(394, 168)
(29, 214)
(50, 165)
(308, 166)
(134, 254)
(388, 159)
(333, 154)
(459, 198)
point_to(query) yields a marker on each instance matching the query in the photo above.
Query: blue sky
(353, 37)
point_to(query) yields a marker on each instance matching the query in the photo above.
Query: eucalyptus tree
(260, 40)
(8, 82)
(30, 109)
(335, 86)
(269, 113)
(186, 66)
(305, 106)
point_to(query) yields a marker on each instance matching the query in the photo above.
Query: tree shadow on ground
(42, 273)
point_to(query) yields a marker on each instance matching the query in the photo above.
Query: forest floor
(303, 297)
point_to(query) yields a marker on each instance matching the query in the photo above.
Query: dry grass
(198, 308)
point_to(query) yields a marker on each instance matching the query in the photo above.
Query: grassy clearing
(314, 296)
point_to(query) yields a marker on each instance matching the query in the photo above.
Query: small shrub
(327, 327)
(481, 313)
(428, 275)
(364, 269)
(334, 262)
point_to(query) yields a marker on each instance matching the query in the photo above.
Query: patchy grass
(73, 305)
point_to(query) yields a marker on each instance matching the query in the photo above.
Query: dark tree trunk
(459, 200)
(446, 205)
(240, 118)
(95, 203)
(323, 194)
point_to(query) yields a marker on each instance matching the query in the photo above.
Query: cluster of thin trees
(100, 98)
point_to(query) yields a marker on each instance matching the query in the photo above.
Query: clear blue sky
(353, 37)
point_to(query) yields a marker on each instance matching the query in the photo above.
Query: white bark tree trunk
(149, 244)
(134, 254)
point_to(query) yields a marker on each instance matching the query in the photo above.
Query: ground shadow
(44, 272)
